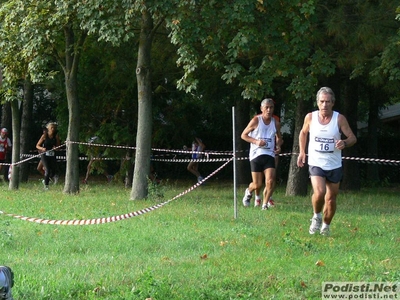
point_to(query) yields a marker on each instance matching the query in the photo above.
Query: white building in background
(389, 115)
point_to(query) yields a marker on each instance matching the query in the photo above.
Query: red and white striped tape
(207, 153)
(113, 218)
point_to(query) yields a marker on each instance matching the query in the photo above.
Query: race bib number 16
(325, 145)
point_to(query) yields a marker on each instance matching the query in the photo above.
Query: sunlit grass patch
(193, 247)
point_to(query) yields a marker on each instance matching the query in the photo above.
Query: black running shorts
(261, 163)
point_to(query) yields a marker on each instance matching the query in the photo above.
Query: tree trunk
(14, 182)
(298, 177)
(6, 116)
(72, 167)
(351, 171)
(243, 173)
(144, 129)
(71, 86)
(26, 125)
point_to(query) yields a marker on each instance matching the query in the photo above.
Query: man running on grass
(264, 135)
(325, 146)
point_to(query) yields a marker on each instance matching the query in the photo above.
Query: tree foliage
(252, 42)
(222, 52)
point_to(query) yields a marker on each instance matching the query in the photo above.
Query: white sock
(258, 197)
(324, 225)
(318, 215)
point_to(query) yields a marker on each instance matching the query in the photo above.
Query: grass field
(193, 247)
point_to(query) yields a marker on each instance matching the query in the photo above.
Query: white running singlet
(266, 133)
(321, 147)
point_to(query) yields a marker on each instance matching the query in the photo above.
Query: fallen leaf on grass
(223, 243)
(204, 256)
(320, 263)
(303, 284)
(98, 289)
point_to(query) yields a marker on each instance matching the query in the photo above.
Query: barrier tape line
(374, 160)
(191, 160)
(63, 157)
(180, 160)
(152, 149)
(207, 153)
(29, 158)
(114, 218)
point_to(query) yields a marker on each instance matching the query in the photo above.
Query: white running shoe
(325, 231)
(270, 203)
(315, 225)
(265, 206)
(247, 198)
(257, 203)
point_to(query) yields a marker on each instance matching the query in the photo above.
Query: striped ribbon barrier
(30, 157)
(190, 160)
(153, 149)
(188, 152)
(146, 210)
(374, 160)
(114, 218)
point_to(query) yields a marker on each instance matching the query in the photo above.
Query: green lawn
(193, 247)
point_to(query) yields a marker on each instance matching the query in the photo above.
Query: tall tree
(145, 17)
(48, 31)
(112, 21)
(350, 110)
(143, 136)
(16, 125)
(26, 122)
(298, 180)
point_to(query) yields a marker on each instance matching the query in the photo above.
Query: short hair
(267, 101)
(326, 90)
